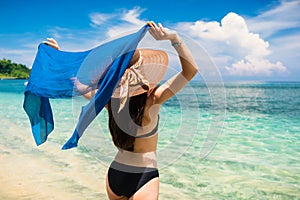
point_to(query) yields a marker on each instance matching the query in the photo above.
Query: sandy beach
(46, 172)
(28, 177)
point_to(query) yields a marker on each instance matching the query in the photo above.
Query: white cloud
(285, 16)
(132, 16)
(281, 27)
(252, 66)
(77, 39)
(244, 53)
(60, 33)
(130, 21)
(287, 48)
(99, 18)
(22, 56)
(118, 22)
(234, 43)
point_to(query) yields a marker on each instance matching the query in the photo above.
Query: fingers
(152, 29)
(160, 26)
(162, 29)
(151, 24)
(157, 31)
(51, 42)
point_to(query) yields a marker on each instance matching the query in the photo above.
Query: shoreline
(200, 81)
(12, 78)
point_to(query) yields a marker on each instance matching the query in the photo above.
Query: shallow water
(240, 141)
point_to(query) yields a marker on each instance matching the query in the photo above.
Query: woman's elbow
(190, 74)
(194, 71)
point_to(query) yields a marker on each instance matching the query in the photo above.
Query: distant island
(10, 70)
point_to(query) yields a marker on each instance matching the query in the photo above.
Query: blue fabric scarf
(54, 74)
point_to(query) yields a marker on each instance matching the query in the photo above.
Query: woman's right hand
(51, 42)
(161, 33)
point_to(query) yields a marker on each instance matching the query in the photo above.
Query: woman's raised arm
(188, 65)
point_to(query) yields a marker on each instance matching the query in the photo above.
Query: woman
(134, 115)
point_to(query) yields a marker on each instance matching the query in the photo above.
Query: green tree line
(8, 69)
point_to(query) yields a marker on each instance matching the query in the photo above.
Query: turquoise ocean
(237, 140)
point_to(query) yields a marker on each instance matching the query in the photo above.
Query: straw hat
(144, 75)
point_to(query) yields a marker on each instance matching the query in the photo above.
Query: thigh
(149, 191)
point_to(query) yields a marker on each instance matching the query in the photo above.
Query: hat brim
(154, 64)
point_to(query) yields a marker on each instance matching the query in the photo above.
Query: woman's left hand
(51, 42)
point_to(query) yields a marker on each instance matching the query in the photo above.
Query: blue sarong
(54, 74)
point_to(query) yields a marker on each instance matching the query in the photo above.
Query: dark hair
(122, 128)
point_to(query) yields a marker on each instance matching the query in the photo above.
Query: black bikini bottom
(125, 180)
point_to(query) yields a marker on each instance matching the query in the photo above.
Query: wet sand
(46, 172)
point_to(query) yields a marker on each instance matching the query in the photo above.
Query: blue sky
(247, 40)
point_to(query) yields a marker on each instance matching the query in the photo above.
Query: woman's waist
(129, 158)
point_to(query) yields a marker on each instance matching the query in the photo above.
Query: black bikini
(126, 180)
(124, 183)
